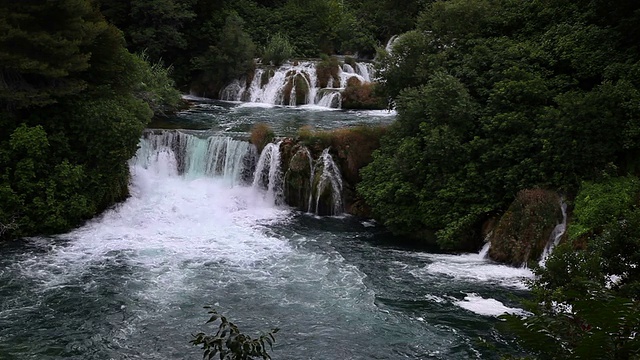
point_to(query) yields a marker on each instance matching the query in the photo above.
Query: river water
(131, 283)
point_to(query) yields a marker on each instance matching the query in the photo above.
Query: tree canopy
(72, 108)
(498, 96)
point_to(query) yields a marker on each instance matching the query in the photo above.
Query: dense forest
(209, 43)
(73, 103)
(494, 97)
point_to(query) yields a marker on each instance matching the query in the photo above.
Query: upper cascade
(298, 83)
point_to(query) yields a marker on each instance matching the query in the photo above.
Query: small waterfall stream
(268, 175)
(328, 181)
(556, 235)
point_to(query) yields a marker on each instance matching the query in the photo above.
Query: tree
(231, 56)
(495, 97)
(71, 115)
(278, 50)
(43, 49)
(154, 27)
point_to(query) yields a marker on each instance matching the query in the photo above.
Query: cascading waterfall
(179, 153)
(556, 235)
(365, 70)
(295, 84)
(176, 153)
(268, 173)
(328, 180)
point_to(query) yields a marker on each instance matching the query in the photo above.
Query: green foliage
(499, 96)
(278, 50)
(40, 55)
(362, 96)
(327, 71)
(228, 343)
(74, 106)
(231, 56)
(598, 326)
(587, 297)
(600, 203)
(155, 27)
(156, 87)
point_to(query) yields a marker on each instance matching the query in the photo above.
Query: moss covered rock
(297, 179)
(523, 231)
(327, 71)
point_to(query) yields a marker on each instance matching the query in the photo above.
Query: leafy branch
(230, 344)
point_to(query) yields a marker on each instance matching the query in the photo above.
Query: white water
(473, 267)
(275, 91)
(389, 46)
(487, 307)
(484, 252)
(330, 180)
(268, 174)
(176, 152)
(556, 235)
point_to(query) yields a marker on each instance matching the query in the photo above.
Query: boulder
(523, 231)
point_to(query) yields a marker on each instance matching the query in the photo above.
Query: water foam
(474, 267)
(487, 307)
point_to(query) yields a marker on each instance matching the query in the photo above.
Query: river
(131, 283)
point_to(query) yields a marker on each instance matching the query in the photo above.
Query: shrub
(328, 68)
(598, 204)
(353, 146)
(261, 135)
(278, 50)
(361, 96)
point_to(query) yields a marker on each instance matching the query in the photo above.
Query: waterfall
(330, 179)
(365, 70)
(556, 235)
(294, 84)
(389, 47)
(485, 250)
(194, 155)
(330, 99)
(268, 174)
(177, 153)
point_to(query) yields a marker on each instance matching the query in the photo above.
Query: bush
(353, 146)
(278, 50)
(157, 88)
(327, 69)
(598, 204)
(362, 96)
(261, 135)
